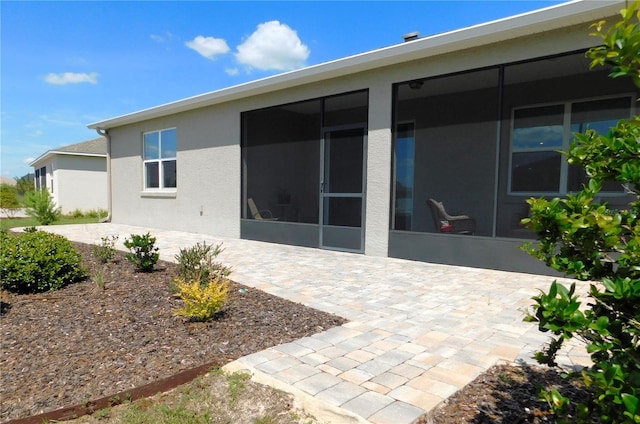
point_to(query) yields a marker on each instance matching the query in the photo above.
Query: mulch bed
(82, 342)
(507, 394)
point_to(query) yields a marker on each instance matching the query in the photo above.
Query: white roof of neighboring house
(554, 17)
(95, 147)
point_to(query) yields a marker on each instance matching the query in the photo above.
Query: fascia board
(51, 153)
(547, 19)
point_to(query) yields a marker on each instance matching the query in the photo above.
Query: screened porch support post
(378, 175)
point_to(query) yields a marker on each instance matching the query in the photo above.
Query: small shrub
(198, 262)
(106, 250)
(96, 213)
(144, 254)
(76, 213)
(202, 301)
(31, 229)
(40, 205)
(98, 278)
(37, 262)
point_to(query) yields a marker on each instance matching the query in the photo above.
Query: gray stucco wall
(208, 195)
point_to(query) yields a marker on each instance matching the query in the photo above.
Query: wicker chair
(453, 224)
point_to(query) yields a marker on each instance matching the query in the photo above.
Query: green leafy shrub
(202, 300)
(9, 200)
(106, 250)
(592, 242)
(37, 261)
(198, 262)
(143, 253)
(40, 205)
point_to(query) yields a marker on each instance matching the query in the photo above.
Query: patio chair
(454, 224)
(258, 214)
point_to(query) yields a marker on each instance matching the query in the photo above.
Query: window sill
(159, 194)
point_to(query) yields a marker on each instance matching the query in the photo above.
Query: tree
(40, 205)
(24, 184)
(592, 242)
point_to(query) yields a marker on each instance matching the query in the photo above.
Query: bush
(198, 262)
(9, 200)
(76, 213)
(592, 242)
(37, 261)
(40, 205)
(144, 254)
(106, 250)
(96, 213)
(202, 300)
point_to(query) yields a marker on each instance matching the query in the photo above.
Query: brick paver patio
(417, 332)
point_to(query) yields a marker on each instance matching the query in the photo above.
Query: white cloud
(208, 47)
(232, 71)
(28, 160)
(273, 46)
(71, 78)
(161, 38)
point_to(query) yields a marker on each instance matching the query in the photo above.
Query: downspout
(105, 134)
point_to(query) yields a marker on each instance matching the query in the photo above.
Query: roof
(551, 18)
(8, 181)
(94, 147)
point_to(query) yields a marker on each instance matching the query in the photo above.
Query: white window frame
(566, 142)
(161, 188)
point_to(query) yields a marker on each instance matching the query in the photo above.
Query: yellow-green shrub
(202, 301)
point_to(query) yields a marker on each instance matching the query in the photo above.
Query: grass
(6, 223)
(216, 398)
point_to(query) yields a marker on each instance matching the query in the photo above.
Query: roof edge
(49, 153)
(556, 16)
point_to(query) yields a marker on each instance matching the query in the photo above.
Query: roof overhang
(51, 153)
(548, 19)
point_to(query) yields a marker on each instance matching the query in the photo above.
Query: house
(346, 154)
(75, 175)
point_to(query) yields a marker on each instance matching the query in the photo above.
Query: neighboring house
(75, 175)
(344, 155)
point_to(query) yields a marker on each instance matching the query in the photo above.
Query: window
(540, 133)
(404, 175)
(160, 159)
(41, 178)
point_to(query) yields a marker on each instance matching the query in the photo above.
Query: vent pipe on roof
(411, 36)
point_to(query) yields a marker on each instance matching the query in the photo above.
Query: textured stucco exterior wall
(79, 182)
(208, 195)
(207, 198)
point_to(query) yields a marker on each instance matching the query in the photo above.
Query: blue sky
(68, 64)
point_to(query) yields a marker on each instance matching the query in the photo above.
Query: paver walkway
(418, 332)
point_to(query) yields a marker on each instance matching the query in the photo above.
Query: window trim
(566, 142)
(159, 191)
